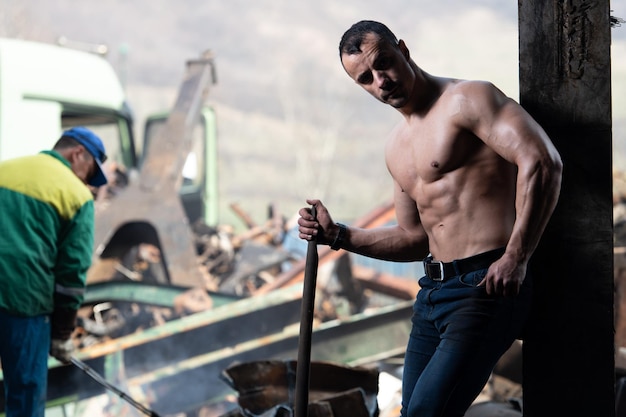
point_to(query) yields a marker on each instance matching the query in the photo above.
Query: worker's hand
(62, 323)
(320, 228)
(62, 349)
(504, 277)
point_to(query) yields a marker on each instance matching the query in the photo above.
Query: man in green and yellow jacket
(46, 244)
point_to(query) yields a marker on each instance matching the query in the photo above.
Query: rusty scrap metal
(266, 387)
(245, 217)
(151, 206)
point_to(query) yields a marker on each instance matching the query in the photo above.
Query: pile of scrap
(233, 266)
(131, 291)
(241, 263)
(267, 388)
(254, 263)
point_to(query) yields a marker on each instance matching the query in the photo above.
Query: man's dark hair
(65, 142)
(351, 40)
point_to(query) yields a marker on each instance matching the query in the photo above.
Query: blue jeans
(24, 347)
(459, 332)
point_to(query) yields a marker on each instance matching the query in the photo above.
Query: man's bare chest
(426, 152)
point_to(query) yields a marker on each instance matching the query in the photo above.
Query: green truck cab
(45, 89)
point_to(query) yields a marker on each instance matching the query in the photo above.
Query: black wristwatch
(338, 242)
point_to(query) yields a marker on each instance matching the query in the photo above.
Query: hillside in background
(291, 124)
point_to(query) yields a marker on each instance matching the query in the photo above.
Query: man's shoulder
(469, 98)
(46, 178)
(469, 88)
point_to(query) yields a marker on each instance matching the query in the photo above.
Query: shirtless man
(475, 182)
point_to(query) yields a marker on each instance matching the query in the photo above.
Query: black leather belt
(440, 271)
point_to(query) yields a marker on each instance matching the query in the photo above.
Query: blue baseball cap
(95, 147)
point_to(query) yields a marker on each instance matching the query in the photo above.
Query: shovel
(303, 366)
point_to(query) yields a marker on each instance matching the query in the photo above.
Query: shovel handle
(303, 365)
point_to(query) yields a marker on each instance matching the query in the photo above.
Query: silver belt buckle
(432, 268)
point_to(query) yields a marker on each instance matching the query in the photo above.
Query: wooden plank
(565, 84)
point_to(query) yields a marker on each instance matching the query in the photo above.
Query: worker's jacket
(46, 235)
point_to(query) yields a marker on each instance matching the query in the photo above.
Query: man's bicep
(505, 126)
(518, 136)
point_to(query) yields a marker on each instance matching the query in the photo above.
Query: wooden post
(565, 83)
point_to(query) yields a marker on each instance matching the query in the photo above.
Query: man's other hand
(62, 349)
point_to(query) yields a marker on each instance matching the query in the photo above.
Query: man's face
(383, 70)
(83, 164)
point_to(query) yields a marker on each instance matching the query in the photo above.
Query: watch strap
(340, 238)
